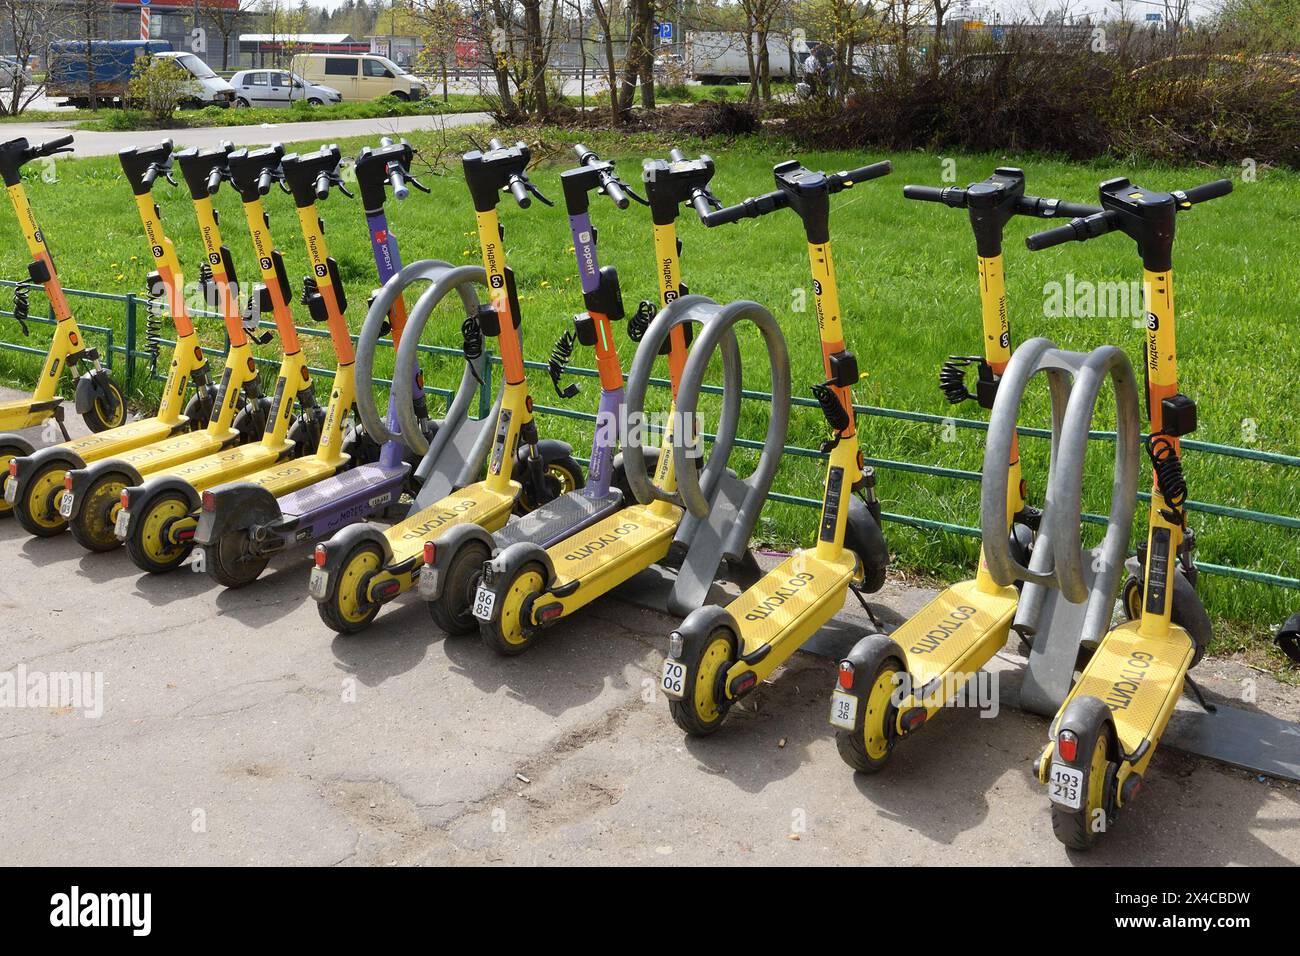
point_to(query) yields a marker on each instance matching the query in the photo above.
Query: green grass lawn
(907, 282)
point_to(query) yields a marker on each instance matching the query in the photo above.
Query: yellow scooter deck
(1139, 678)
(228, 465)
(473, 504)
(611, 551)
(173, 451)
(790, 603)
(113, 442)
(956, 633)
(296, 474)
(18, 414)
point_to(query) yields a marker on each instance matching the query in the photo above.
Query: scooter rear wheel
(868, 750)
(92, 526)
(453, 611)
(510, 632)
(231, 563)
(1080, 829)
(345, 609)
(149, 544)
(702, 709)
(8, 452)
(37, 509)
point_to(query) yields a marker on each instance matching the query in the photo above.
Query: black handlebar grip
(1052, 237)
(720, 217)
(150, 175)
(1206, 191)
(520, 192)
(53, 145)
(1076, 210)
(264, 182)
(923, 193)
(701, 204)
(214, 181)
(863, 173)
(323, 186)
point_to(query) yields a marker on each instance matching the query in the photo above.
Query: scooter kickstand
(1200, 697)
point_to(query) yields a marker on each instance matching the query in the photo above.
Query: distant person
(819, 71)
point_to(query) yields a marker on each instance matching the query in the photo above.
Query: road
(236, 729)
(107, 144)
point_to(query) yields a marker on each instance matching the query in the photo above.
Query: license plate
(485, 600)
(123, 523)
(11, 491)
(426, 580)
(672, 681)
(319, 584)
(65, 504)
(1065, 786)
(844, 710)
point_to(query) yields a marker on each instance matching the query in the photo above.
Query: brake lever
(412, 181)
(338, 182)
(528, 184)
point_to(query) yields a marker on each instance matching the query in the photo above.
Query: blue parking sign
(665, 31)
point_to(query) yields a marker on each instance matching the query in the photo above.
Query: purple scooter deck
(343, 499)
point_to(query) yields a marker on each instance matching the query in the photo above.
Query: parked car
(111, 65)
(279, 88)
(360, 76)
(11, 70)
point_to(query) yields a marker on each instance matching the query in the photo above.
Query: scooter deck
(957, 632)
(1138, 678)
(558, 519)
(173, 451)
(24, 413)
(228, 465)
(611, 551)
(334, 492)
(789, 604)
(473, 504)
(289, 476)
(113, 442)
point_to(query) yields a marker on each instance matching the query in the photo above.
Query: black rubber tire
(1288, 638)
(562, 474)
(313, 101)
(242, 104)
(1188, 612)
(684, 713)
(135, 546)
(453, 611)
(329, 610)
(489, 631)
(94, 531)
(1073, 827)
(229, 563)
(25, 508)
(100, 418)
(850, 743)
(1131, 598)
(8, 450)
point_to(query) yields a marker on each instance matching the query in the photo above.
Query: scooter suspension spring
(952, 378)
(833, 410)
(153, 329)
(637, 324)
(559, 363)
(22, 308)
(1171, 482)
(472, 344)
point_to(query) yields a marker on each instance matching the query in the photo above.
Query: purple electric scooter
(448, 581)
(242, 525)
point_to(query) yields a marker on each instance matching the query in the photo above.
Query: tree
(31, 24)
(227, 20)
(1267, 24)
(284, 23)
(438, 24)
(639, 62)
(760, 17)
(158, 86)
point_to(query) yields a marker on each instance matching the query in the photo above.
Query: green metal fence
(136, 307)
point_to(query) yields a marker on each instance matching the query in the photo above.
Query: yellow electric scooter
(362, 568)
(158, 519)
(719, 654)
(99, 399)
(92, 495)
(36, 487)
(1108, 729)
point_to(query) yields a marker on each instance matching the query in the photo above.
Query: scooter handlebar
(520, 192)
(1204, 192)
(953, 196)
(51, 146)
(214, 180)
(844, 180)
(1076, 230)
(749, 209)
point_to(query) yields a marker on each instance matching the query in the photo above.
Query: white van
(360, 76)
(207, 89)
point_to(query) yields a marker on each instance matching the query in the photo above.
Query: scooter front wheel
(37, 509)
(704, 705)
(92, 526)
(1080, 829)
(510, 631)
(454, 609)
(8, 452)
(869, 749)
(346, 609)
(150, 544)
(558, 477)
(232, 563)
(106, 411)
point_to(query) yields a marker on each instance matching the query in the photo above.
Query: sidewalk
(108, 144)
(238, 729)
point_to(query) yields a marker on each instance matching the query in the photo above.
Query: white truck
(712, 57)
